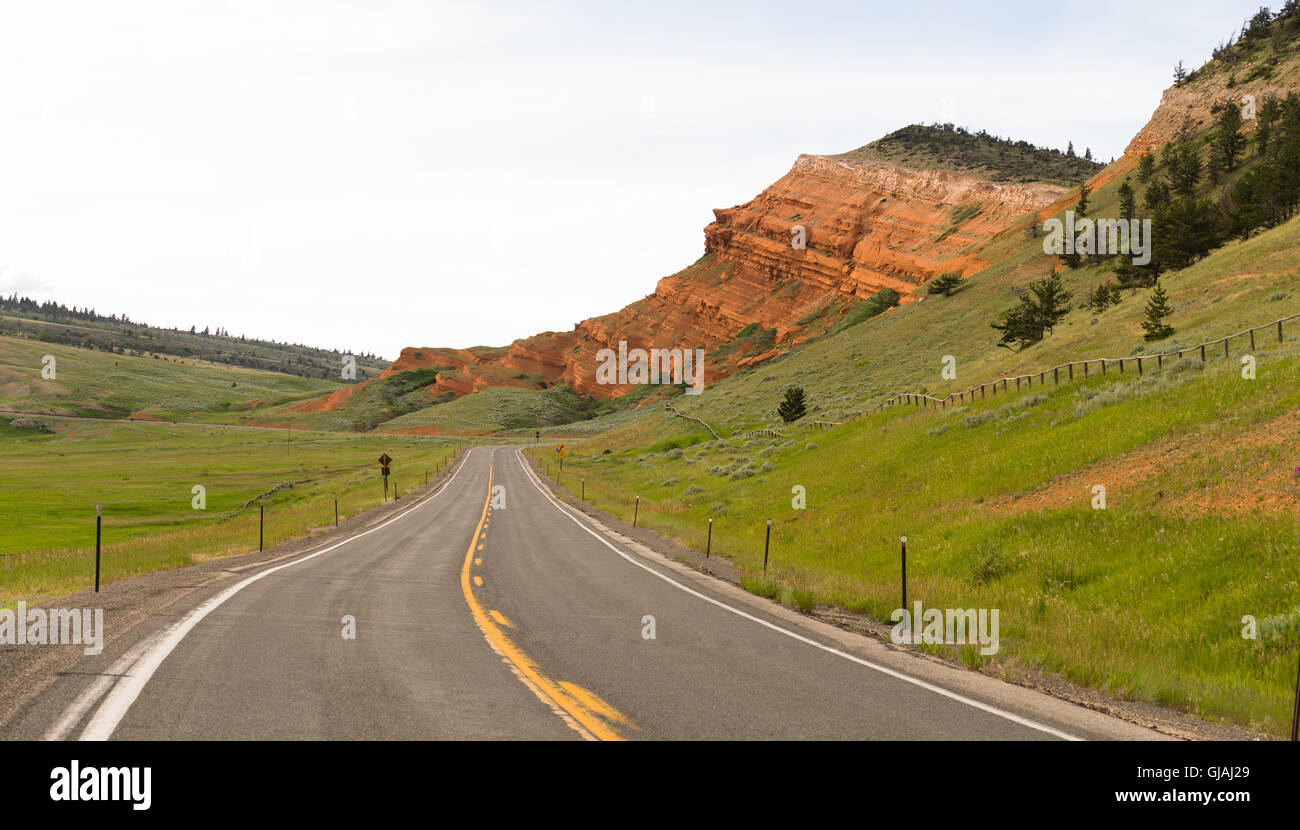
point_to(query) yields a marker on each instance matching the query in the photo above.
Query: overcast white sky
(370, 175)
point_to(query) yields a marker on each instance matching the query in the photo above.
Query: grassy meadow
(53, 472)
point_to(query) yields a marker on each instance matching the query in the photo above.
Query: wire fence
(1081, 369)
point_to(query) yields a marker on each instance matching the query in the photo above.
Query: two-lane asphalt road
(490, 610)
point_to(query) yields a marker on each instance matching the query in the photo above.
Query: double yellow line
(583, 710)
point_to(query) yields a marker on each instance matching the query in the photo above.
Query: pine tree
(1229, 141)
(1018, 325)
(1127, 202)
(1146, 167)
(1156, 311)
(1156, 195)
(1051, 299)
(945, 283)
(792, 406)
(1180, 74)
(1184, 168)
(1038, 311)
(1103, 297)
(1082, 207)
(1069, 150)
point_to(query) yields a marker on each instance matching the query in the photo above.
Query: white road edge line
(137, 666)
(993, 710)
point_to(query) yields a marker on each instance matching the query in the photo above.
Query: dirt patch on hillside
(1258, 483)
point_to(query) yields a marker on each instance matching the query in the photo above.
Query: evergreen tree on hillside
(792, 406)
(1018, 325)
(1180, 74)
(1146, 167)
(1156, 311)
(1052, 301)
(1184, 168)
(1267, 115)
(1039, 310)
(1127, 206)
(1156, 194)
(1184, 230)
(1082, 208)
(1103, 297)
(945, 283)
(1069, 150)
(1229, 141)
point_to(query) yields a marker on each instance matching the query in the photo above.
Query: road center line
(579, 708)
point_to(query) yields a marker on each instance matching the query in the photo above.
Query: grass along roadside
(1143, 600)
(144, 475)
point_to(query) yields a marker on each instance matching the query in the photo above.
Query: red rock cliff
(868, 225)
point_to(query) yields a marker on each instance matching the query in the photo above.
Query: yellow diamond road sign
(560, 450)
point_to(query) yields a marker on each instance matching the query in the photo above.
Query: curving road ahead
(491, 610)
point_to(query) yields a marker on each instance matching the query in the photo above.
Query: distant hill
(979, 154)
(98, 384)
(52, 322)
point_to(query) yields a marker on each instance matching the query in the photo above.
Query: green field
(144, 475)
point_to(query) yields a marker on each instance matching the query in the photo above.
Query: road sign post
(261, 522)
(767, 543)
(1295, 716)
(384, 461)
(708, 543)
(903, 542)
(99, 518)
(635, 510)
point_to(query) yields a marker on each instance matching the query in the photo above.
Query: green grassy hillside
(106, 385)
